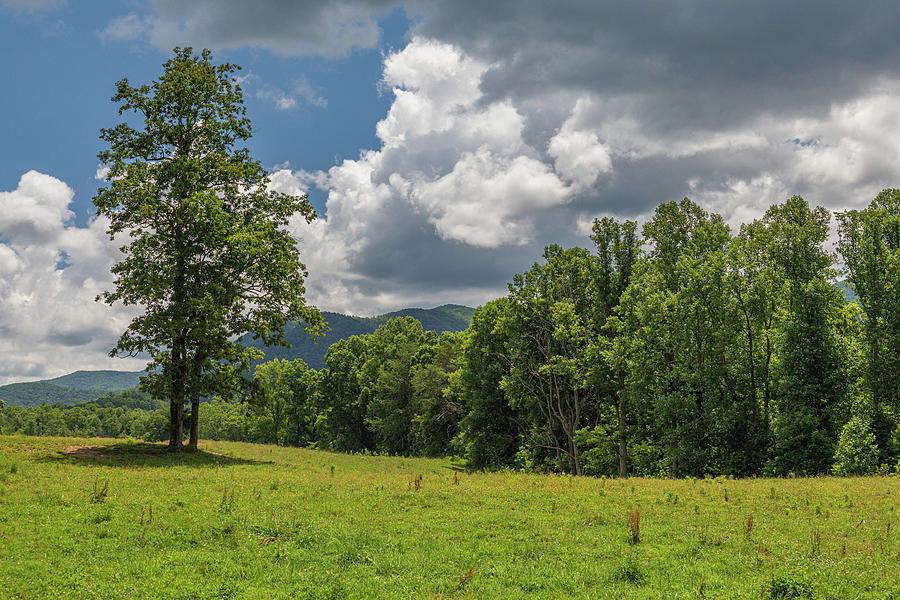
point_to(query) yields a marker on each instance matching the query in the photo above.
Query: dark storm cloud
(285, 27)
(707, 62)
(699, 98)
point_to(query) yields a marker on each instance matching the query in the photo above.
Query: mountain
(449, 317)
(109, 381)
(33, 393)
(74, 388)
(87, 386)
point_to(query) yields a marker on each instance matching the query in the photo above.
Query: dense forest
(682, 349)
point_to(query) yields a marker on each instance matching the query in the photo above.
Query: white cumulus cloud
(51, 272)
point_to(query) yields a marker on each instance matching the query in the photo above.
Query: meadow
(100, 518)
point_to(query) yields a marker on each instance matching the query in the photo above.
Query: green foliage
(812, 382)
(342, 399)
(206, 251)
(388, 374)
(438, 401)
(286, 391)
(857, 450)
(491, 429)
(549, 327)
(870, 247)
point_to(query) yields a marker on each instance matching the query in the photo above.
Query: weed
(789, 588)
(100, 491)
(102, 517)
(227, 503)
(725, 491)
(595, 520)
(816, 544)
(332, 470)
(631, 572)
(455, 478)
(701, 591)
(465, 577)
(705, 539)
(147, 513)
(13, 468)
(415, 483)
(748, 526)
(634, 526)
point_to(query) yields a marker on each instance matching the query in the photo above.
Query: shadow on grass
(145, 454)
(458, 464)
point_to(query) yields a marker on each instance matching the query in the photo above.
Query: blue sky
(64, 71)
(443, 142)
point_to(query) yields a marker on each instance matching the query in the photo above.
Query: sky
(443, 143)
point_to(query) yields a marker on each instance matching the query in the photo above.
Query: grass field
(110, 519)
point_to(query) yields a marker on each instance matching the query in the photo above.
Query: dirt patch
(84, 452)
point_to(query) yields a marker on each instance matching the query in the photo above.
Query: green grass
(237, 520)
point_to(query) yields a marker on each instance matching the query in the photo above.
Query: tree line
(676, 349)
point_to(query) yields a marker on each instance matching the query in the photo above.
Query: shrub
(857, 450)
(789, 588)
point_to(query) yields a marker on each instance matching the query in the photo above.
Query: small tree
(857, 452)
(207, 255)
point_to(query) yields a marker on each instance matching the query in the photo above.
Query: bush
(789, 588)
(857, 450)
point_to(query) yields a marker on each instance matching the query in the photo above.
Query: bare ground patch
(84, 452)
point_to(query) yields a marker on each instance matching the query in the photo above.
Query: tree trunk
(623, 448)
(176, 402)
(176, 425)
(576, 459)
(195, 425)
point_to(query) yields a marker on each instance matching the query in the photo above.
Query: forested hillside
(43, 392)
(449, 317)
(84, 386)
(68, 390)
(99, 380)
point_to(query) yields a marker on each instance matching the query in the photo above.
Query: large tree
(811, 379)
(207, 255)
(550, 329)
(618, 250)
(870, 246)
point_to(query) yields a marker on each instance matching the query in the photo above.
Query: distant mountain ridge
(109, 381)
(449, 317)
(74, 388)
(86, 386)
